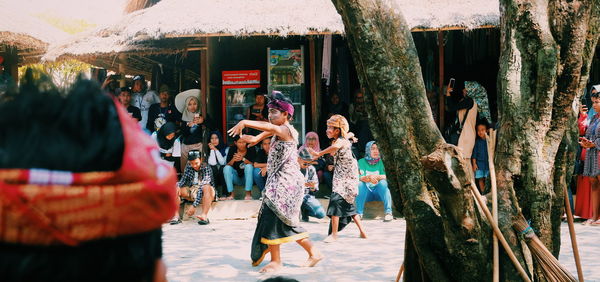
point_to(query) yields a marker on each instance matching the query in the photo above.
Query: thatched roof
(24, 31)
(198, 18)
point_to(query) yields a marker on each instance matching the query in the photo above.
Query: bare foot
(313, 260)
(201, 217)
(271, 267)
(363, 235)
(330, 239)
(229, 198)
(248, 197)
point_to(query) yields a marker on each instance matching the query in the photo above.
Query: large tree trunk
(547, 48)
(449, 238)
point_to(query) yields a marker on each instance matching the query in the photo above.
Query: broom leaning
(549, 265)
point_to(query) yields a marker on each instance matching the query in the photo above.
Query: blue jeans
(231, 177)
(379, 192)
(259, 179)
(312, 207)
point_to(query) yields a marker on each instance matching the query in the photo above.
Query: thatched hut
(24, 38)
(197, 39)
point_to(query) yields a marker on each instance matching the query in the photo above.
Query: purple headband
(282, 106)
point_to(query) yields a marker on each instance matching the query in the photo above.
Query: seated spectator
(312, 141)
(310, 205)
(260, 163)
(163, 112)
(239, 169)
(217, 159)
(125, 99)
(167, 142)
(195, 185)
(373, 185)
(99, 240)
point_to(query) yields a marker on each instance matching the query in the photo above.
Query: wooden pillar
(122, 61)
(313, 84)
(442, 105)
(204, 78)
(12, 63)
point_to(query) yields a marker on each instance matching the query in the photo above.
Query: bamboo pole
(573, 236)
(498, 233)
(496, 252)
(400, 273)
(441, 97)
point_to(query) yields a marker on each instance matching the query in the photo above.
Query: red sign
(241, 77)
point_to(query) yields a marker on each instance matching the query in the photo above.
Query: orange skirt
(583, 202)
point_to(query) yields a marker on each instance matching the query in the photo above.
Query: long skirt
(270, 230)
(339, 207)
(583, 202)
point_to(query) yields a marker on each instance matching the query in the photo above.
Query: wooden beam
(204, 79)
(313, 83)
(248, 34)
(442, 105)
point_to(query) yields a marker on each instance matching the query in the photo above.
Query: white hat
(182, 97)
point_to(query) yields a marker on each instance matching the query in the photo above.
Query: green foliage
(63, 73)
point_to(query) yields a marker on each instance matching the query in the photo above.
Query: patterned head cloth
(278, 101)
(479, 95)
(45, 207)
(340, 122)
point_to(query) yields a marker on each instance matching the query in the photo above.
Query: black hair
(280, 279)
(595, 95)
(42, 128)
(77, 131)
(482, 121)
(194, 154)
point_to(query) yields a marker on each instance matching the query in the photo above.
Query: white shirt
(215, 157)
(143, 102)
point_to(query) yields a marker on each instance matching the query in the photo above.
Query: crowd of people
(585, 189)
(264, 152)
(191, 143)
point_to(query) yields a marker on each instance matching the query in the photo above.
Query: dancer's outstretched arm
(260, 125)
(253, 140)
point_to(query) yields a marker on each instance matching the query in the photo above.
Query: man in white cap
(142, 98)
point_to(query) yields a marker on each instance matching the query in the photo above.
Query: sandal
(596, 223)
(203, 222)
(588, 222)
(229, 198)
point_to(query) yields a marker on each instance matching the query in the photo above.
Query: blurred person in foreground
(83, 192)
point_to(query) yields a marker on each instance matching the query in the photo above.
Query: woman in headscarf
(345, 178)
(278, 220)
(217, 159)
(193, 126)
(167, 141)
(311, 140)
(373, 184)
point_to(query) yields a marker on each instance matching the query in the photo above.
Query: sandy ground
(221, 252)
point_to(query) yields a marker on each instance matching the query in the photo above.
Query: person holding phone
(591, 165)
(193, 127)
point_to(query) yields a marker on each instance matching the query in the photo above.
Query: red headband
(42, 207)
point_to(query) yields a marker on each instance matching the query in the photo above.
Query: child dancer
(345, 178)
(278, 220)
